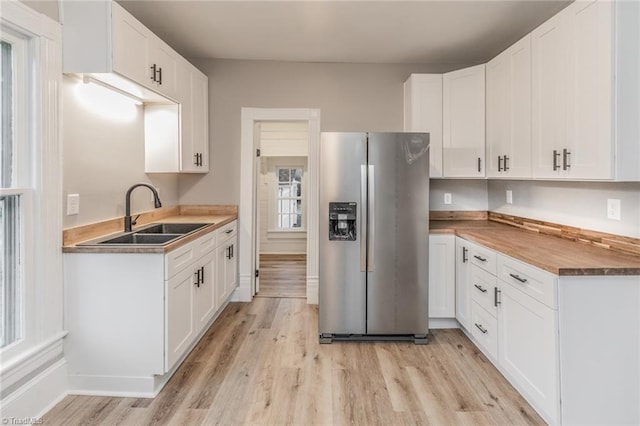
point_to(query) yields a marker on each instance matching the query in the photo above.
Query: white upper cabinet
(463, 135)
(509, 112)
(584, 93)
(423, 113)
(195, 142)
(101, 38)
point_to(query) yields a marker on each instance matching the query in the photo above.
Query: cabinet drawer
(483, 257)
(205, 244)
(483, 289)
(180, 258)
(535, 282)
(484, 328)
(230, 230)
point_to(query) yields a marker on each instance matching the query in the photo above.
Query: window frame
(24, 79)
(277, 198)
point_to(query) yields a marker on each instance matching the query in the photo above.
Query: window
(13, 186)
(289, 198)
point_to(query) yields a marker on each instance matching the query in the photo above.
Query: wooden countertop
(553, 254)
(215, 220)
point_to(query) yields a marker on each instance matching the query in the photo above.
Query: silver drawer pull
(480, 258)
(479, 287)
(481, 328)
(517, 277)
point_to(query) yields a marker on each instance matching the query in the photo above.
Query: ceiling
(441, 32)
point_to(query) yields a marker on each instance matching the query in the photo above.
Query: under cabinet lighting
(90, 80)
(105, 101)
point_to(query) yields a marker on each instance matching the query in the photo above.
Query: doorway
(281, 202)
(249, 220)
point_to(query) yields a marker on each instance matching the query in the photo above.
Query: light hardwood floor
(283, 275)
(261, 363)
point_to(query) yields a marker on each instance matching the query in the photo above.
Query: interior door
(398, 233)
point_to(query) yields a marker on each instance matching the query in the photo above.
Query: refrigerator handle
(372, 218)
(363, 218)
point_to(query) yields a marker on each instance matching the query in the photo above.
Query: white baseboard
(243, 292)
(437, 323)
(38, 395)
(312, 290)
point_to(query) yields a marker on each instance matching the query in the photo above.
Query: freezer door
(342, 287)
(398, 258)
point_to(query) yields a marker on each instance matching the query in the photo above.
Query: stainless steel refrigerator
(374, 236)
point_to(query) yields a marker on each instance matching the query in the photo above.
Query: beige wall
(103, 157)
(351, 97)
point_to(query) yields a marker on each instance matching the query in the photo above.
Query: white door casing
(247, 223)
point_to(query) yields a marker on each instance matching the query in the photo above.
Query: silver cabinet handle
(479, 164)
(464, 255)
(565, 159)
(363, 220)
(496, 296)
(479, 287)
(481, 328)
(499, 163)
(505, 167)
(517, 277)
(372, 218)
(480, 258)
(556, 154)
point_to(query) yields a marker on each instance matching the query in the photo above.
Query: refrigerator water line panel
(374, 219)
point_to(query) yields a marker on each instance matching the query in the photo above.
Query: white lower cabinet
(528, 349)
(145, 310)
(513, 318)
(463, 294)
(442, 279)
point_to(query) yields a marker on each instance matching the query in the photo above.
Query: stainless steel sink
(171, 228)
(158, 234)
(141, 239)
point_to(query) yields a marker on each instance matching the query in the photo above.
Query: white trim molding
(249, 118)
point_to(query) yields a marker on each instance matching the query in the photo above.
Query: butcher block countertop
(553, 254)
(216, 216)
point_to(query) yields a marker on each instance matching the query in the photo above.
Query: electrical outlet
(73, 204)
(613, 209)
(509, 196)
(447, 198)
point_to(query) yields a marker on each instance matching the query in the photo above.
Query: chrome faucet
(128, 223)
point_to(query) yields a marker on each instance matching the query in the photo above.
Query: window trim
(41, 167)
(277, 198)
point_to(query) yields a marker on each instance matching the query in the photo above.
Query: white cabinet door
(549, 86)
(509, 112)
(195, 122)
(464, 122)
(231, 269)
(222, 254)
(179, 324)
(163, 68)
(442, 284)
(463, 294)
(423, 113)
(588, 114)
(528, 349)
(205, 297)
(130, 46)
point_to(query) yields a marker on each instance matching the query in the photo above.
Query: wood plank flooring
(261, 364)
(283, 275)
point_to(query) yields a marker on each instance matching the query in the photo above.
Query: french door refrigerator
(374, 236)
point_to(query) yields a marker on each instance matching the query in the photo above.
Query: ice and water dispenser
(342, 221)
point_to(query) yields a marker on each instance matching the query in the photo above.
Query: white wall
(351, 97)
(103, 157)
(466, 194)
(580, 204)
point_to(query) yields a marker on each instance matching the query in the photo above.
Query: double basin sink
(158, 234)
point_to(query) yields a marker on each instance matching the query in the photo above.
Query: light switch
(509, 196)
(613, 209)
(447, 198)
(73, 204)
